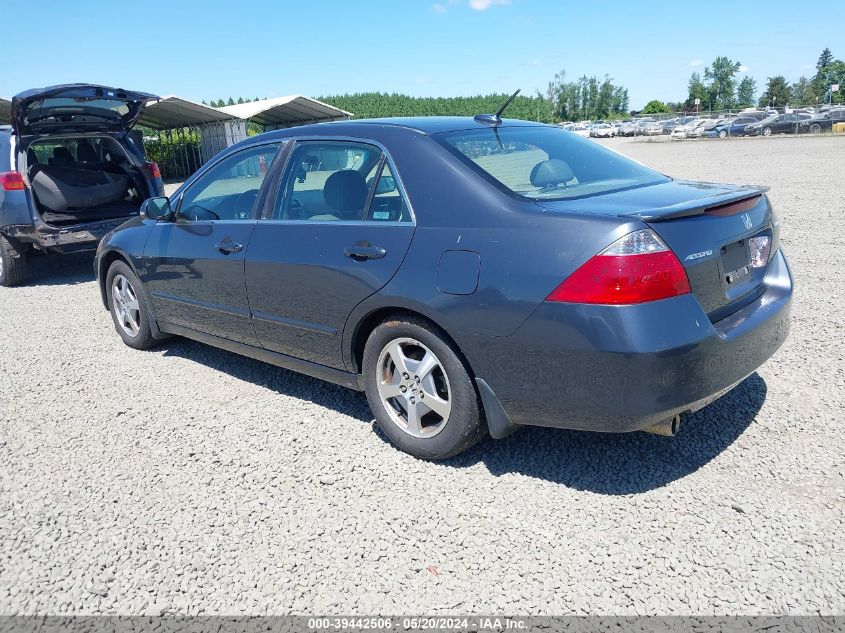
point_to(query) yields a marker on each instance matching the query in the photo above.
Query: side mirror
(157, 208)
(386, 184)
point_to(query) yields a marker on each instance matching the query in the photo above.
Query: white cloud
(743, 68)
(695, 63)
(439, 8)
(483, 5)
(421, 80)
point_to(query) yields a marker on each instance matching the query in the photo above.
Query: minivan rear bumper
(623, 368)
(66, 239)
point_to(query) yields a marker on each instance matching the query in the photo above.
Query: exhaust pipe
(668, 427)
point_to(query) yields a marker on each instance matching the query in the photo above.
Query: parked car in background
(683, 131)
(822, 122)
(69, 172)
(602, 130)
(652, 128)
(382, 255)
(777, 124)
(731, 127)
(697, 130)
(628, 128)
(581, 129)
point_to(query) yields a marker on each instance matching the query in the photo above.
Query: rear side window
(338, 181)
(545, 163)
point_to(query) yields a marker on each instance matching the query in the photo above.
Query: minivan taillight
(12, 181)
(155, 172)
(636, 268)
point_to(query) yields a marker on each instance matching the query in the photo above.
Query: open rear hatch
(724, 235)
(77, 108)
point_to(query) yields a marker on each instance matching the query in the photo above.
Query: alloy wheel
(767, 131)
(125, 306)
(413, 387)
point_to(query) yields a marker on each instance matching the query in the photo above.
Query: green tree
(803, 92)
(745, 92)
(586, 98)
(722, 77)
(230, 101)
(833, 73)
(696, 90)
(825, 59)
(655, 107)
(777, 92)
(240, 100)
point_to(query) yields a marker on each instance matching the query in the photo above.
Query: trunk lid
(77, 108)
(708, 226)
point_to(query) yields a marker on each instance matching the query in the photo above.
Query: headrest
(61, 157)
(550, 173)
(85, 153)
(346, 191)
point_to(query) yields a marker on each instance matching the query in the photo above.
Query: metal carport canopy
(174, 112)
(286, 111)
(5, 110)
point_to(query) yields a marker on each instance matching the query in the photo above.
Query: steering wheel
(296, 208)
(244, 203)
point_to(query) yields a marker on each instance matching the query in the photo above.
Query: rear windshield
(546, 163)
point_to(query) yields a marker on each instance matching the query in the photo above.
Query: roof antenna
(496, 119)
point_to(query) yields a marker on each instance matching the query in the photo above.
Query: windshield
(545, 163)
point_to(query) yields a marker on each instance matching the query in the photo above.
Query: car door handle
(228, 246)
(363, 250)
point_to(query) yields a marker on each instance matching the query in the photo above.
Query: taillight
(12, 181)
(636, 268)
(155, 172)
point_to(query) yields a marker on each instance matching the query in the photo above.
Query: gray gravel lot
(190, 480)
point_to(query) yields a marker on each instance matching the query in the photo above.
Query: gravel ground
(190, 480)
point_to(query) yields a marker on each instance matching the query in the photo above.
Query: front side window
(328, 182)
(229, 190)
(545, 163)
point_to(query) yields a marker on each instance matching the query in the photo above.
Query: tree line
(718, 88)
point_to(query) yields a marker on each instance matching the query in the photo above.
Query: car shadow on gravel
(60, 270)
(623, 463)
(605, 463)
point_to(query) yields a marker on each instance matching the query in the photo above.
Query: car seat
(345, 192)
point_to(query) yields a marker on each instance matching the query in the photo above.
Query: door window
(229, 190)
(334, 181)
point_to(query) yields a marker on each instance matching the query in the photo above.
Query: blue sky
(211, 49)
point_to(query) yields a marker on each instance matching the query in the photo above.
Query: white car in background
(603, 130)
(682, 131)
(581, 129)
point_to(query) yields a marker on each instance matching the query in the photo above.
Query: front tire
(419, 389)
(128, 307)
(767, 131)
(815, 128)
(12, 263)
(723, 133)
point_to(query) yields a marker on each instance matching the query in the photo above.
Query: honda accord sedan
(471, 275)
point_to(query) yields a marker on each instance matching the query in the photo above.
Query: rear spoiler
(724, 204)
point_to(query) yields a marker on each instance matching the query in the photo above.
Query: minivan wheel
(419, 389)
(128, 307)
(12, 263)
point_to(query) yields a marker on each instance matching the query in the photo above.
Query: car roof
(424, 125)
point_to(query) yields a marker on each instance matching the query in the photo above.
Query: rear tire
(408, 364)
(13, 263)
(128, 306)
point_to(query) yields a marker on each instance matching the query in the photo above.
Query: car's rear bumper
(622, 368)
(66, 239)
